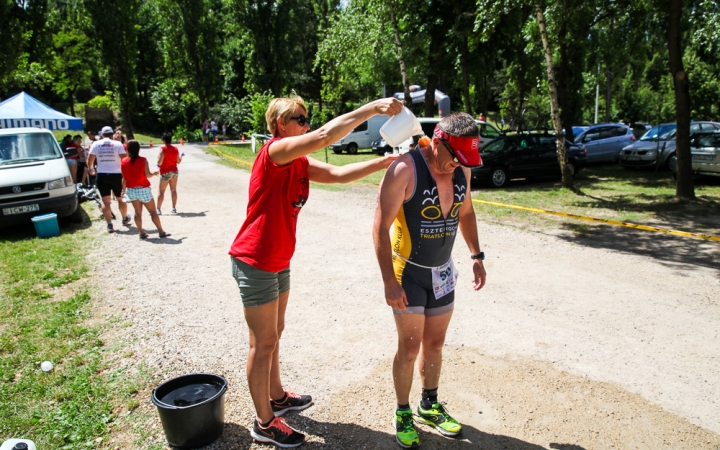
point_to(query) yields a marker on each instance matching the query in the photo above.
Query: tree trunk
(466, 84)
(685, 188)
(429, 105)
(567, 180)
(127, 124)
(71, 100)
(401, 57)
(608, 95)
(609, 77)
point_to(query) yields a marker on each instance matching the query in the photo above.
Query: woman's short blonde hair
(282, 107)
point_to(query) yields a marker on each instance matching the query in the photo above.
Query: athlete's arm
(468, 228)
(288, 149)
(321, 172)
(161, 157)
(90, 161)
(395, 188)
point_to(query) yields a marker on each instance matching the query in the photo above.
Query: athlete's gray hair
(459, 124)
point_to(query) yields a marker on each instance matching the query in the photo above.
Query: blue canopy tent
(24, 111)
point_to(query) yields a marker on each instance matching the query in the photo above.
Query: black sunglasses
(450, 149)
(302, 120)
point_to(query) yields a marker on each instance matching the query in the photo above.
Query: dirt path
(574, 343)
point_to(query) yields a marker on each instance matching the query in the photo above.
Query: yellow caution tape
(555, 213)
(228, 156)
(607, 221)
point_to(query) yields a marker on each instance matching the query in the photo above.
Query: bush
(103, 101)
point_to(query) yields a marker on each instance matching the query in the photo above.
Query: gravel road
(603, 340)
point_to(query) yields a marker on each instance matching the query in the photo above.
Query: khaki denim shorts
(257, 286)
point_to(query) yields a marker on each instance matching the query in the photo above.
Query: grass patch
(44, 306)
(243, 153)
(607, 192)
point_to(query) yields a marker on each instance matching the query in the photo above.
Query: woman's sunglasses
(302, 120)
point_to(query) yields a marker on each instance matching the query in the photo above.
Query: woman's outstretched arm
(288, 149)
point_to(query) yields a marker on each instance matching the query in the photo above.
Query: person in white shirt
(109, 154)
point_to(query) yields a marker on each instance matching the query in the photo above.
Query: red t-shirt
(134, 172)
(169, 163)
(277, 193)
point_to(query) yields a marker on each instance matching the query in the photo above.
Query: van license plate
(20, 209)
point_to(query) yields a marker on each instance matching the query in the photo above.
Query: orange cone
(150, 142)
(243, 138)
(216, 139)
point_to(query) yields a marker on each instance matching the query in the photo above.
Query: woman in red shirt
(135, 171)
(168, 160)
(261, 252)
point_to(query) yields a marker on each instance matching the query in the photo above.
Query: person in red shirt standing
(135, 171)
(168, 160)
(261, 253)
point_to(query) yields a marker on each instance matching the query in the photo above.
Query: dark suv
(525, 156)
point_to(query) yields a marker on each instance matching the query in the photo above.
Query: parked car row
(525, 156)
(656, 147)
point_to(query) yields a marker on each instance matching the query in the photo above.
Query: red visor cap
(467, 149)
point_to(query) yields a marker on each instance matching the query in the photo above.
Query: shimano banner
(24, 111)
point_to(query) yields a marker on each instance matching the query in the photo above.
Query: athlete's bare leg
(431, 352)
(410, 328)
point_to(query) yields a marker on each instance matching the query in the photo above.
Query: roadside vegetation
(45, 315)
(605, 191)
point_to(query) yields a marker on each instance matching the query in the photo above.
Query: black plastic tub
(191, 409)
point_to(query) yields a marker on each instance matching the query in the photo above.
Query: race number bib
(444, 279)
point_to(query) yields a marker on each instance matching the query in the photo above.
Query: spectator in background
(214, 128)
(206, 130)
(81, 165)
(224, 128)
(71, 153)
(168, 160)
(135, 171)
(109, 154)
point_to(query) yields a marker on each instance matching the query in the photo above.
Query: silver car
(656, 146)
(705, 148)
(603, 142)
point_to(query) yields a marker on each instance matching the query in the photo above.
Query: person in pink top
(261, 252)
(168, 160)
(135, 171)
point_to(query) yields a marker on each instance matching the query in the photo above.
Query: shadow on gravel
(669, 250)
(353, 437)
(187, 214)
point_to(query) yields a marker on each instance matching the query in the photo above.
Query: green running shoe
(406, 435)
(438, 417)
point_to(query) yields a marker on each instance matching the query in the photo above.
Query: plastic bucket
(46, 225)
(191, 409)
(400, 127)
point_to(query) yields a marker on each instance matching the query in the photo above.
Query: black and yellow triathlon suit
(423, 239)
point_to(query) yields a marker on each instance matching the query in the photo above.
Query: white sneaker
(159, 212)
(174, 211)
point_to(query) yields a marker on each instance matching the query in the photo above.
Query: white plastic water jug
(400, 127)
(18, 444)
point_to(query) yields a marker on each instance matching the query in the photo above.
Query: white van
(487, 133)
(34, 177)
(362, 136)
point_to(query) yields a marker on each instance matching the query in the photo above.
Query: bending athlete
(424, 197)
